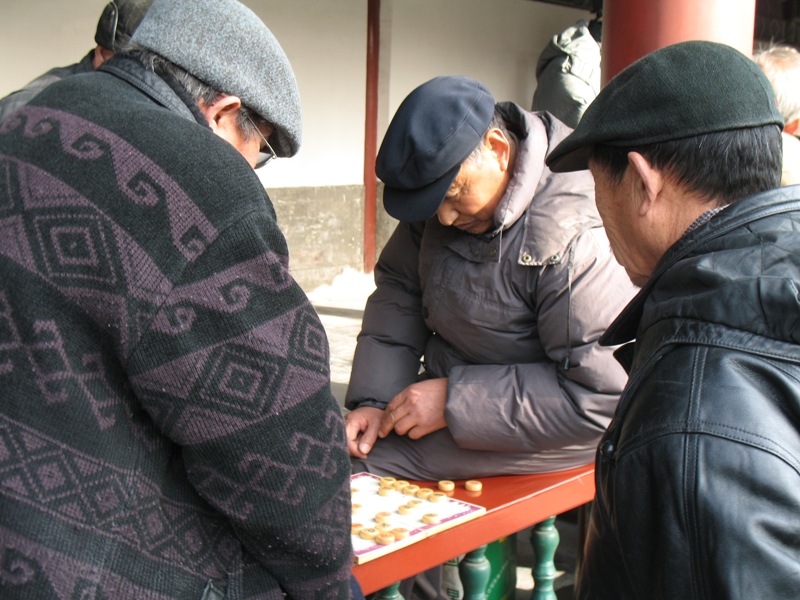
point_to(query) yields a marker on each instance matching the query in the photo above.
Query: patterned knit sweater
(166, 423)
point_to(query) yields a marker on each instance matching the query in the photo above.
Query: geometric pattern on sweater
(138, 178)
(72, 245)
(227, 292)
(241, 381)
(84, 492)
(86, 255)
(256, 474)
(325, 530)
(96, 264)
(24, 564)
(56, 379)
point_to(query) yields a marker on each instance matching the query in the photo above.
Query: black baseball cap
(434, 130)
(679, 91)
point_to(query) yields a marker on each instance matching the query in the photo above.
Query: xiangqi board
(400, 515)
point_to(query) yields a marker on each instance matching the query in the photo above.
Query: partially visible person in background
(568, 72)
(117, 23)
(781, 65)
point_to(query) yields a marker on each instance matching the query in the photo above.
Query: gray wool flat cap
(224, 44)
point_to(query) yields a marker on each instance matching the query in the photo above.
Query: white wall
(326, 42)
(494, 41)
(37, 35)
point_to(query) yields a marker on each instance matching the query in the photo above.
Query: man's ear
(100, 56)
(223, 108)
(792, 127)
(649, 181)
(500, 146)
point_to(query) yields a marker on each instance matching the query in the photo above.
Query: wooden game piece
(356, 528)
(410, 490)
(384, 526)
(356, 508)
(385, 538)
(473, 485)
(437, 497)
(430, 518)
(368, 533)
(446, 485)
(382, 517)
(399, 485)
(403, 509)
(387, 481)
(423, 493)
(400, 533)
(386, 491)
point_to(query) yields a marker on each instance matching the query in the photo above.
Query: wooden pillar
(371, 133)
(633, 28)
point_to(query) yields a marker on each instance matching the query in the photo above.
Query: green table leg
(390, 593)
(544, 540)
(475, 571)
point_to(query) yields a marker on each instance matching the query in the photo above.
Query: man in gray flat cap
(698, 477)
(117, 23)
(500, 278)
(167, 428)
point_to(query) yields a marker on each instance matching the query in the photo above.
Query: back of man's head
(226, 46)
(701, 111)
(781, 64)
(118, 21)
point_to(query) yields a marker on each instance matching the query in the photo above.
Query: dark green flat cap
(679, 91)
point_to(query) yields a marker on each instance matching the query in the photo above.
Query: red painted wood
(633, 28)
(371, 132)
(512, 503)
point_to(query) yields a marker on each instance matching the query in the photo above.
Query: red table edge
(498, 522)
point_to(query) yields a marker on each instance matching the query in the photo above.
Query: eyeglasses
(266, 153)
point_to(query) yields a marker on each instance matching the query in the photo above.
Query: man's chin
(474, 228)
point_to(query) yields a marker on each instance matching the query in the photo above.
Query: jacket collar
(556, 207)
(149, 83)
(626, 326)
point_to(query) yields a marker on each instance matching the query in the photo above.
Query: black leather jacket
(698, 475)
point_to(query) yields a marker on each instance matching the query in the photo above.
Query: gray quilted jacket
(511, 317)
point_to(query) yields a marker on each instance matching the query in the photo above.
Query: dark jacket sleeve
(393, 332)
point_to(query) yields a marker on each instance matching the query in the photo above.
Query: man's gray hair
(475, 159)
(781, 65)
(197, 90)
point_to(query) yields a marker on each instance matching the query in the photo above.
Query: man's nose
(447, 216)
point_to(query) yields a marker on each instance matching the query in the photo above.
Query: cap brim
(565, 160)
(419, 204)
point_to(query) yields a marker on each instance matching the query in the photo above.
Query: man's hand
(416, 411)
(362, 426)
